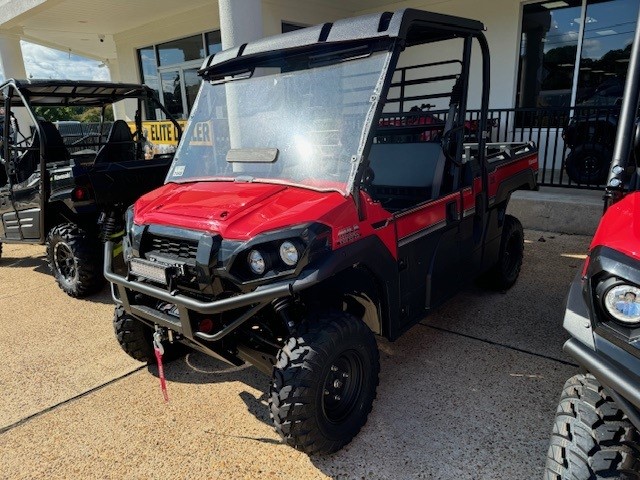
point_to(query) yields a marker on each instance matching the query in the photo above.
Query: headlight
(128, 218)
(289, 253)
(622, 302)
(256, 262)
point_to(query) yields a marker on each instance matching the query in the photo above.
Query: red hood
(620, 227)
(236, 211)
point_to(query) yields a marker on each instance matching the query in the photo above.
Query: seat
(119, 146)
(406, 174)
(54, 148)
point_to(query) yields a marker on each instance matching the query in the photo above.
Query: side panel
(428, 256)
(26, 216)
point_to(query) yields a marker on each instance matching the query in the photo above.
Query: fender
(369, 255)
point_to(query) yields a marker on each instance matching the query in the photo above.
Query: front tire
(592, 438)
(324, 383)
(136, 339)
(75, 259)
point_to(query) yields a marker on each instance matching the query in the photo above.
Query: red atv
(292, 228)
(595, 434)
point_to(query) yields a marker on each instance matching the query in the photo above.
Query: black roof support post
(626, 126)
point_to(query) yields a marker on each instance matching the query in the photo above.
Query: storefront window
(606, 49)
(549, 52)
(180, 51)
(171, 68)
(548, 48)
(149, 73)
(213, 41)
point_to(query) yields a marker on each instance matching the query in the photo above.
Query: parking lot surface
(467, 394)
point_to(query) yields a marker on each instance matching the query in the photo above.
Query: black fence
(575, 145)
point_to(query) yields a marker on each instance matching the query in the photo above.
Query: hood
(619, 228)
(235, 210)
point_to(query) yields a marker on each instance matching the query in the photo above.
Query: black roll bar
(625, 133)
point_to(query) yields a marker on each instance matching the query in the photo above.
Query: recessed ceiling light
(606, 32)
(598, 71)
(565, 64)
(622, 60)
(555, 4)
(585, 69)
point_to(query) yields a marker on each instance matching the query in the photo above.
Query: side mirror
(368, 177)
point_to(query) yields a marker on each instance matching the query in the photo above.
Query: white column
(240, 21)
(120, 109)
(13, 67)
(11, 56)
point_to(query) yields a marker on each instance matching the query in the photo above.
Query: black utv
(71, 191)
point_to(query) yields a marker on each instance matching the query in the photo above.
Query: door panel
(172, 93)
(428, 253)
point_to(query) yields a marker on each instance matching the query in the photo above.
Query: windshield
(315, 118)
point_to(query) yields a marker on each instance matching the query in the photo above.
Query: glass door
(179, 88)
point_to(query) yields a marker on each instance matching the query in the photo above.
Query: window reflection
(548, 52)
(172, 91)
(174, 70)
(179, 51)
(149, 72)
(606, 48)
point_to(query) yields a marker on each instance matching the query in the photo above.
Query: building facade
(544, 53)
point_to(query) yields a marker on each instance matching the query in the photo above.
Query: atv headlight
(622, 302)
(128, 218)
(256, 262)
(289, 253)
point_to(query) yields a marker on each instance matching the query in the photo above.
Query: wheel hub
(342, 386)
(64, 261)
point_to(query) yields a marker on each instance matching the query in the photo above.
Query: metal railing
(575, 145)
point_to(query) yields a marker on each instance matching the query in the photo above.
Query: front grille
(181, 249)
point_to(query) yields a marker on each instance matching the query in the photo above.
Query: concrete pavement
(467, 394)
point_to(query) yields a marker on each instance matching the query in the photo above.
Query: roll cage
(43, 142)
(353, 38)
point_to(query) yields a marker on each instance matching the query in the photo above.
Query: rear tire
(136, 339)
(505, 272)
(324, 383)
(592, 438)
(75, 259)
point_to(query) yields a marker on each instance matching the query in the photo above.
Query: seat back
(119, 146)
(411, 165)
(29, 160)
(54, 148)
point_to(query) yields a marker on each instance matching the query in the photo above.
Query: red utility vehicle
(595, 434)
(299, 219)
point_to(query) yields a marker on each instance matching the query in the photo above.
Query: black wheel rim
(342, 386)
(511, 254)
(65, 261)
(591, 169)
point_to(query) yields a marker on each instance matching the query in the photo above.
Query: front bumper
(127, 290)
(614, 367)
(608, 371)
